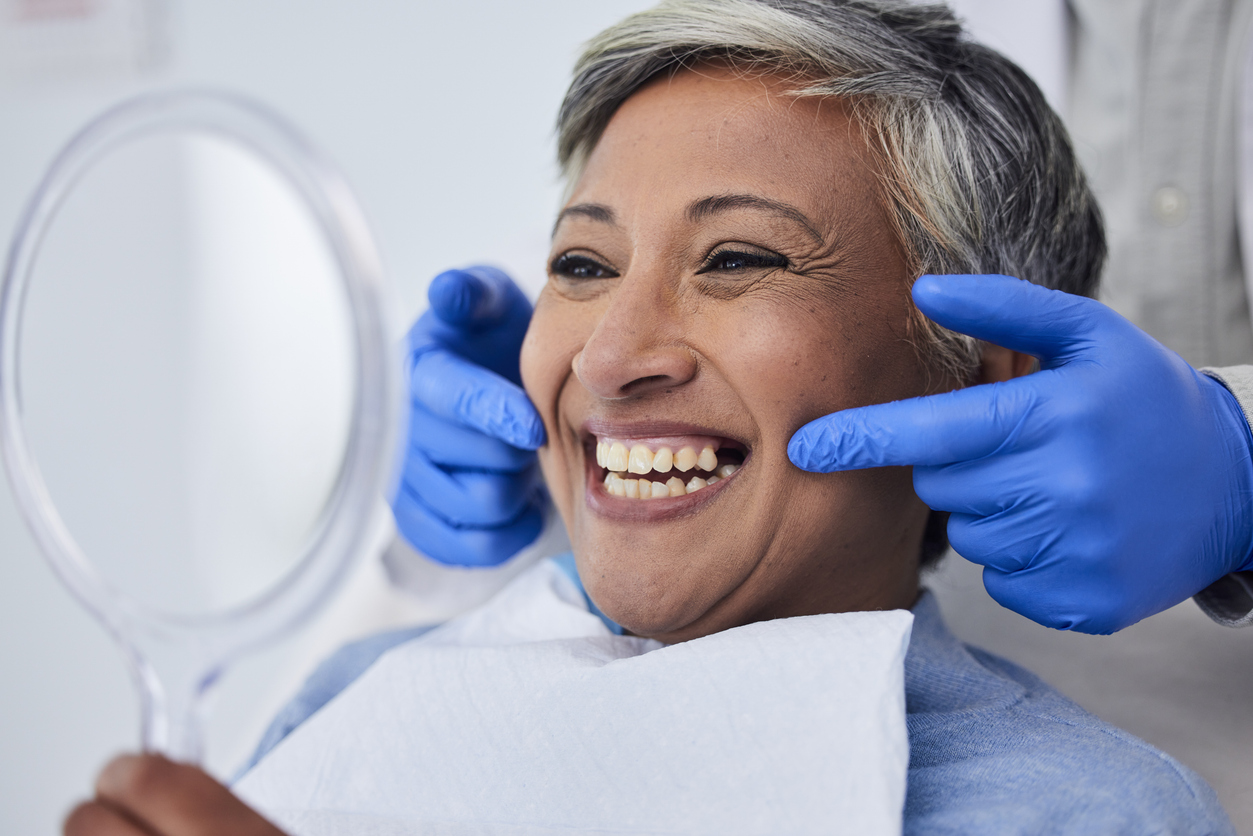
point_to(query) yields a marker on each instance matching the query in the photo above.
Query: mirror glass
(186, 366)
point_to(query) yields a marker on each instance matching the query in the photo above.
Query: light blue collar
(565, 562)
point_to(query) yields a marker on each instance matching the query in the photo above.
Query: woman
(754, 188)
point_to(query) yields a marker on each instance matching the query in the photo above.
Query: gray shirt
(1155, 97)
(1159, 117)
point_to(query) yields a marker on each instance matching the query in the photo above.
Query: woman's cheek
(530, 360)
(559, 330)
(539, 359)
(547, 352)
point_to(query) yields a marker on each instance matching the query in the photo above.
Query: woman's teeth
(640, 459)
(615, 485)
(614, 455)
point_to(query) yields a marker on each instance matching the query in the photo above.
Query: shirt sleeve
(1229, 600)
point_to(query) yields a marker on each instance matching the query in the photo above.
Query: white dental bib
(527, 716)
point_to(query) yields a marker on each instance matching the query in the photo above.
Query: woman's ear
(1001, 364)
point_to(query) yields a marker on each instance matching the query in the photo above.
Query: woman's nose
(637, 347)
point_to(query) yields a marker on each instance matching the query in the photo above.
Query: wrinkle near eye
(725, 286)
(824, 273)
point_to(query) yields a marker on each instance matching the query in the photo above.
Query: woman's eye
(580, 267)
(733, 260)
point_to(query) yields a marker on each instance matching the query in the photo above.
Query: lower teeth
(615, 485)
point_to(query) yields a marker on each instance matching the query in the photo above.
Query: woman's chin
(662, 593)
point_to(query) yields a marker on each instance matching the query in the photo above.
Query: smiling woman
(726, 271)
(754, 186)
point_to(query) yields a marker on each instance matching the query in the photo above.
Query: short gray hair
(979, 169)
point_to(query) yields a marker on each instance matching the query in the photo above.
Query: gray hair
(979, 171)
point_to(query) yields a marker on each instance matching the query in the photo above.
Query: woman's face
(724, 272)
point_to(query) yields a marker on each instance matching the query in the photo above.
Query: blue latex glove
(470, 493)
(1109, 486)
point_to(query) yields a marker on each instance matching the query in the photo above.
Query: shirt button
(1170, 205)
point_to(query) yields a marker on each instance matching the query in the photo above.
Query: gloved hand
(470, 493)
(1108, 486)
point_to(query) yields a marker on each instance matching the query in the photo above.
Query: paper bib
(528, 717)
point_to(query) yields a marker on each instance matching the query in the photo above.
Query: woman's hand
(148, 795)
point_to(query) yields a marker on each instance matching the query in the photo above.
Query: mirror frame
(352, 510)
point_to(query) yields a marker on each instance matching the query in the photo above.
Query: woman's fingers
(94, 818)
(173, 799)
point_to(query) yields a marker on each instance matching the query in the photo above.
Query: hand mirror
(198, 390)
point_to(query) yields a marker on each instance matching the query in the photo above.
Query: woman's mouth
(666, 467)
(662, 470)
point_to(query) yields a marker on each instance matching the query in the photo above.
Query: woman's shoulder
(346, 666)
(993, 749)
(332, 676)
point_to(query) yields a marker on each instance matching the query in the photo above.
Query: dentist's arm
(1110, 485)
(469, 492)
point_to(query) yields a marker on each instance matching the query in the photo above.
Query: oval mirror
(197, 386)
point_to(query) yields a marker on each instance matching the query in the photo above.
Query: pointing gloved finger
(474, 298)
(463, 392)
(932, 430)
(453, 445)
(1015, 314)
(468, 497)
(477, 313)
(466, 546)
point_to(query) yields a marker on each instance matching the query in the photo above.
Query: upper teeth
(639, 458)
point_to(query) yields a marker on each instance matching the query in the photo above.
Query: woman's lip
(625, 509)
(629, 430)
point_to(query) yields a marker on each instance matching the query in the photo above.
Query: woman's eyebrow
(709, 206)
(592, 211)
